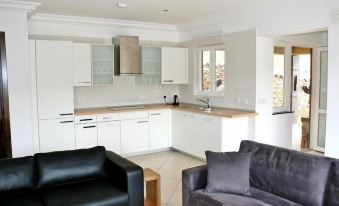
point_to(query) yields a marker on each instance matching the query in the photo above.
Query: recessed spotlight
(165, 10)
(121, 5)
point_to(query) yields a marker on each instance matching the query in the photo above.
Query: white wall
(332, 122)
(14, 24)
(240, 75)
(282, 130)
(264, 90)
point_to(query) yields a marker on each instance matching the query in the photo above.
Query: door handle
(154, 114)
(82, 120)
(66, 114)
(87, 127)
(64, 122)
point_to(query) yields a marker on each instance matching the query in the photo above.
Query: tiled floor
(169, 165)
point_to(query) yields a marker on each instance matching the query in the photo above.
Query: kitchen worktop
(221, 112)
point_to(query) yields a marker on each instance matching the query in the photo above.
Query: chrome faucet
(207, 101)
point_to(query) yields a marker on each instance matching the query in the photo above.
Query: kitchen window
(211, 71)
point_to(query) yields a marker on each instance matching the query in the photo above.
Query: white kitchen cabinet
(178, 130)
(82, 66)
(56, 135)
(134, 136)
(150, 66)
(174, 65)
(159, 129)
(54, 65)
(86, 136)
(194, 140)
(212, 133)
(109, 135)
(102, 64)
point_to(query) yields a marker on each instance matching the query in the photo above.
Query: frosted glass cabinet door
(151, 66)
(102, 64)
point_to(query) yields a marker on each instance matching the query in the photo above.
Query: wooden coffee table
(152, 182)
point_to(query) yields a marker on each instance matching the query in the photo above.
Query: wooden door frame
(6, 148)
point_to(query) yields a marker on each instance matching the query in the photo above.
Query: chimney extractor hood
(127, 55)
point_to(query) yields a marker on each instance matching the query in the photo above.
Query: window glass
(278, 76)
(219, 70)
(206, 70)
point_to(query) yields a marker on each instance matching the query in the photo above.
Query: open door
(319, 101)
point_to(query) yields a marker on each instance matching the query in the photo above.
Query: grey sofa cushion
(296, 176)
(332, 198)
(259, 198)
(228, 172)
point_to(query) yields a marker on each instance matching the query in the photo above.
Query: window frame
(287, 78)
(198, 85)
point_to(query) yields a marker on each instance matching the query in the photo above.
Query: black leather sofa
(278, 177)
(88, 177)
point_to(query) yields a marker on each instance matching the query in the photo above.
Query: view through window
(212, 70)
(278, 76)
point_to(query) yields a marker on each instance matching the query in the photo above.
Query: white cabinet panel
(194, 130)
(108, 117)
(82, 66)
(212, 134)
(178, 130)
(174, 65)
(54, 61)
(109, 135)
(84, 119)
(56, 135)
(158, 129)
(134, 136)
(86, 136)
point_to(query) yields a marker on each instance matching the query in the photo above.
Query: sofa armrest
(193, 179)
(127, 176)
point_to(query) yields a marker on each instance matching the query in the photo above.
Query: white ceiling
(180, 11)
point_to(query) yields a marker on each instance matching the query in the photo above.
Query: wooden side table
(152, 182)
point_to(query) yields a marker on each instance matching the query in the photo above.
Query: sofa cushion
(70, 166)
(271, 199)
(293, 175)
(27, 198)
(333, 187)
(16, 174)
(259, 198)
(94, 192)
(228, 172)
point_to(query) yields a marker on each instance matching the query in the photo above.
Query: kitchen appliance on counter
(176, 100)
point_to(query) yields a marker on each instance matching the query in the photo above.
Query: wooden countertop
(220, 112)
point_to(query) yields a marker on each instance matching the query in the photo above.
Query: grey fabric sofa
(278, 177)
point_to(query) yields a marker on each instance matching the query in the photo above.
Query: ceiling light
(121, 5)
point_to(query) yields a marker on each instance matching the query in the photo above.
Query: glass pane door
(102, 64)
(320, 100)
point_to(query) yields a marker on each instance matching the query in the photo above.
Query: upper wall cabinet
(150, 66)
(82, 64)
(174, 65)
(102, 64)
(54, 62)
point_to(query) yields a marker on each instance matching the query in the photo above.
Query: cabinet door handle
(168, 81)
(142, 122)
(64, 122)
(66, 114)
(155, 114)
(82, 120)
(87, 127)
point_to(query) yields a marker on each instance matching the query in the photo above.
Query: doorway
(301, 94)
(5, 134)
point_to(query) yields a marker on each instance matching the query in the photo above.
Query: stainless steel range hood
(127, 55)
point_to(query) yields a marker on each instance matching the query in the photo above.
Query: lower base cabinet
(86, 136)
(109, 136)
(134, 136)
(158, 129)
(56, 135)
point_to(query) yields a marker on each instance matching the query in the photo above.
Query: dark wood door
(5, 135)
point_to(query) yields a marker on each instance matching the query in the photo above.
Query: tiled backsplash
(124, 91)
